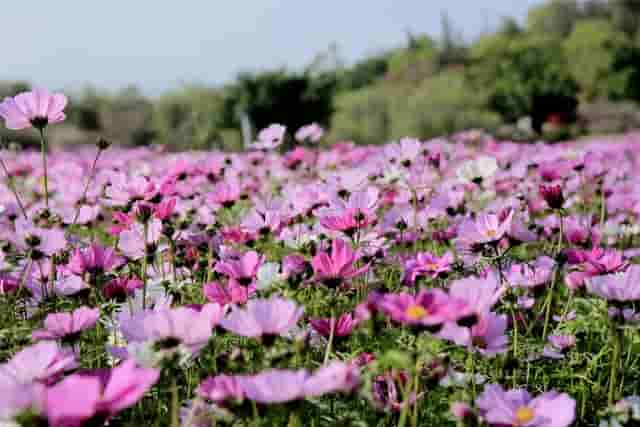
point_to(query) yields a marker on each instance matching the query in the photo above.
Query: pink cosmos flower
(487, 228)
(121, 288)
(125, 189)
(279, 386)
(338, 266)
(487, 336)
(36, 108)
(243, 270)
(270, 137)
(20, 399)
(386, 391)
(275, 386)
(47, 241)
(43, 362)
(334, 377)
(558, 345)
(167, 329)
(67, 325)
(595, 262)
(99, 394)
(230, 293)
(341, 328)
(426, 264)
(531, 275)
(430, 309)
(475, 296)
(225, 193)
(263, 223)
(618, 287)
(133, 243)
(518, 408)
(263, 317)
(221, 388)
(165, 209)
(552, 194)
(311, 133)
(578, 230)
(354, 214)
(94, 259)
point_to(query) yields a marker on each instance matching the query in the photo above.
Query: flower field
(458, 281)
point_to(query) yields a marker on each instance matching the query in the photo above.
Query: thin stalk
(548, 303)
(330, 343)
(617, 336)
(144, 269)
(43, 152)
(175, 409)
(603, 207)
(12, 187)
(86, 186)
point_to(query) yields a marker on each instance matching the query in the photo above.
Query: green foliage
(417, 61)
(438, 105)
(193, 114)
(592, 47)
(555, 18)
(364, 73)
(524, 76)
(282, 97)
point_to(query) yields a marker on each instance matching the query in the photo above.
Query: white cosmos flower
(477, 169)
(268, 274)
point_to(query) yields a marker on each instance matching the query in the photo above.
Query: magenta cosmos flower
(343, 327)
(33, 109)
(242, 270)
(552, 194)
(67, 326)
(263, 318)
(98, 394)
(517, 408)
(332, 269)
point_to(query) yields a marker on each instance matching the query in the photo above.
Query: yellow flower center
(524, 414)
(491, 233)
(416, 312)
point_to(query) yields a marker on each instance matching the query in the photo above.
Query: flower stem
(175, 410)
(12, 187)
(548, 303)
(43, 152)
(144, 269)
(86, 186)
(330, 343)
(617, 336)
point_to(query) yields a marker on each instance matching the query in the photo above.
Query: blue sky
(158, 44)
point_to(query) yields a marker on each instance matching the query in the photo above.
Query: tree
(417, 61)
(291, 99)
(525, 76)
(591, 48)
(555, 18)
